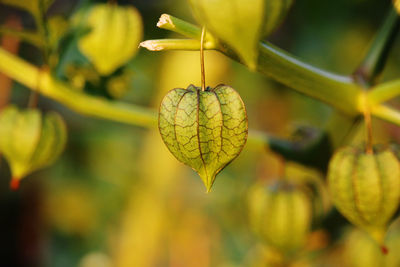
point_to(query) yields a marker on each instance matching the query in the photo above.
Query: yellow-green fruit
(365, 187)
(397, 5)
(281, 214)
(241, 24)
(206, 130)
(114, 37)
(29, 140)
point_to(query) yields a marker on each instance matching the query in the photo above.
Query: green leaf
(206, 130)
(241, 24)
(114, 37)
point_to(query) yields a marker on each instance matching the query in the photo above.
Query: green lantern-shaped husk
(241, 24)
(281, 215)
(114, 37)
(29, 140)
(365, 188)
(206, 130)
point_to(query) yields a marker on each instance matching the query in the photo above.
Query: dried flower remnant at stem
(365, 188)
(205, 130)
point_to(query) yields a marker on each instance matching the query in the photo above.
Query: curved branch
(384, 92)
(339, 91)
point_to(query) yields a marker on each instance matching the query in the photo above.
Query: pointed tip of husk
(14, 184)
(208, 182)
(379, 236)
(208, 187)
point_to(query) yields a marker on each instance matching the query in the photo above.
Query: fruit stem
(368, 125)
(203, 75)
(366, 111)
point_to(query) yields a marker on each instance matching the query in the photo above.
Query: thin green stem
(374, 61)
(203, 72)
(176, 44)
(384, 92)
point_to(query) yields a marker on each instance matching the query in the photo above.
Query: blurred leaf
(57, 28)
(35, 7)
(241, 24)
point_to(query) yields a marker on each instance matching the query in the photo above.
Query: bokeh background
(117, 197)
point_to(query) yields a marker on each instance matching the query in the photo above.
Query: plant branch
(27, 74)
(336, 90)
(374, 61)
(175, 44)
(386, 113)
(182, 27)
(384, 92)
